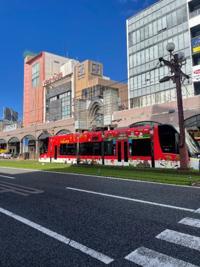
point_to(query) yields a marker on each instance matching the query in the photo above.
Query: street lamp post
(175, 64)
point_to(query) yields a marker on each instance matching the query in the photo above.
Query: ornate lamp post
(177, 76)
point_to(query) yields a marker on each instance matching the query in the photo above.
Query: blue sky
(82, 29)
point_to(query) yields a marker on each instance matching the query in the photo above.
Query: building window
(81, 71)
(54, 98)
(35, 75)
(66, 104)
(96, 69)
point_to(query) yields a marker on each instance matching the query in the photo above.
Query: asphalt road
(50, 219)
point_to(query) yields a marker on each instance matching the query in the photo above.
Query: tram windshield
(169, 140)
(192, 144)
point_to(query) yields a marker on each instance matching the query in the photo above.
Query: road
(51, 219)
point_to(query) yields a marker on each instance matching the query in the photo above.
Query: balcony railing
(195, 13)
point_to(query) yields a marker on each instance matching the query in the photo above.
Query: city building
(96, 97)
(59, 93)
(148, 33)
(53, 86)
(194, 25)
(38, 68)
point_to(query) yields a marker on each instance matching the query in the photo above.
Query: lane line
(105, 177)
(151, 258)
(131, 199)
(86, 250)
(178, 238)
(5, 176)
(190, 222)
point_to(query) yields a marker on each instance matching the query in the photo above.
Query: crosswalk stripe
(6, 176)
(151, 258)
(182, 239)
(190, 222)
(197, 211)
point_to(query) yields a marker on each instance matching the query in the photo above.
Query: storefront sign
(54, 78)
(10, 127)
(196, 74)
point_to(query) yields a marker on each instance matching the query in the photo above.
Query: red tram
(144, 146)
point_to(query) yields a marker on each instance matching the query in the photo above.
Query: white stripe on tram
(150, 258)
(185, 240)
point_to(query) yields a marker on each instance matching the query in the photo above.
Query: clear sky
(82, 29)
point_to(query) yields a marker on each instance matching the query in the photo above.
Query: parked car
(6, 155)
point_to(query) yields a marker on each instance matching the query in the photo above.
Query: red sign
(54, 78)
(197, 72)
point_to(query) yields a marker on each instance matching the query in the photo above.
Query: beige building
(96, 97)
(89, 74)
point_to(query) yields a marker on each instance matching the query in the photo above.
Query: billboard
(196, 45)
(10, 115)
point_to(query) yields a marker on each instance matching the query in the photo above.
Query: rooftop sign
(55, 77)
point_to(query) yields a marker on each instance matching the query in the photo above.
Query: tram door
(55, 152)
(122, 152)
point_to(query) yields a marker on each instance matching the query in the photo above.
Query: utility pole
(77, 117)
(175, 64)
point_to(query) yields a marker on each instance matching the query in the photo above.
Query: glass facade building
(59, 100)
(66, 105)
(148, 34)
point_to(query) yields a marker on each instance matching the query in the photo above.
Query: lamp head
(170, 47)
(165, 79)
(181, 56)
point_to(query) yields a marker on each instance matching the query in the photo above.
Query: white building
(148, 33)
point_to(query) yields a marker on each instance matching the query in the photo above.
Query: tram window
(85, 149)
(140, 147)
(109, 148)
(63, 149)
(168, 139)
(68, 149)
(96, 147)
(93, 148)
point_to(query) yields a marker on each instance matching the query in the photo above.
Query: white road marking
(18, 189)
(91, 252)
(131, 199)
(150, 258)
(198, 211)
(178, 238)
(5, 176)
(137, 180)
(190, 222)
